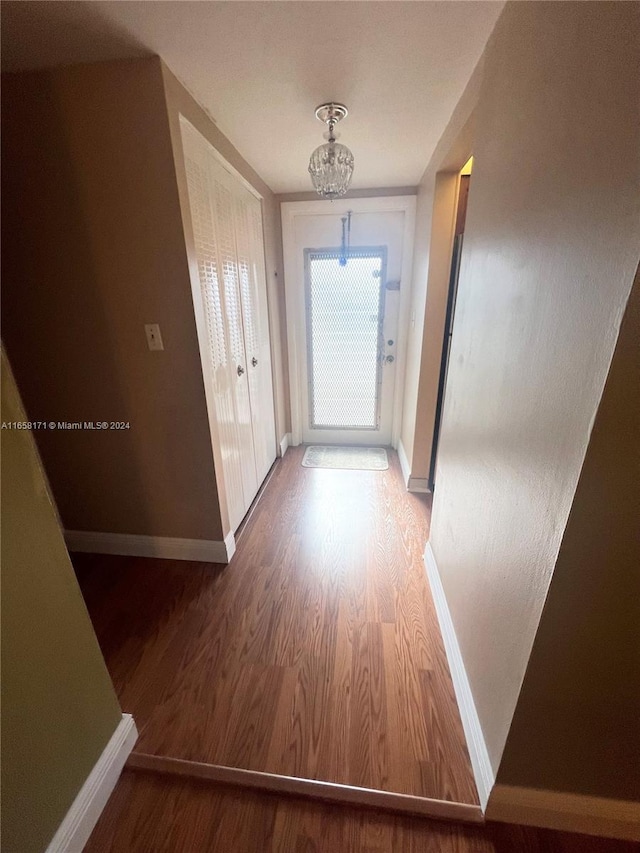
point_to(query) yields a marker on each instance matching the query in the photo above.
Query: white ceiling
(261, 68)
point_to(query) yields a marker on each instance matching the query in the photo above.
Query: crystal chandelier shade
(331, 164)
(331, 167)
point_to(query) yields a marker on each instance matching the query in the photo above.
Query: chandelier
(331, 164)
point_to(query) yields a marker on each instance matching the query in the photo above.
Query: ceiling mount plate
(331, 112)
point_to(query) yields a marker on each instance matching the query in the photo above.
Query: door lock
(240, 370)
(389, 359)
(254, 361)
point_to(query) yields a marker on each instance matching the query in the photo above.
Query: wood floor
(155, 814)
(315, 653)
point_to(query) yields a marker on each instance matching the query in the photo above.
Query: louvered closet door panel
(223, 199)
(250, 249)
(222, 367)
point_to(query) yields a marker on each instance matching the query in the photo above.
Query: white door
(222, 191)
(347, 326)
(253, 294)
(216, 349)
(227, 226)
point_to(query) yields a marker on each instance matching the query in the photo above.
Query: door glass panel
(345, 308)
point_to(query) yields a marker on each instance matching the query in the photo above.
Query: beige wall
(93, 250)
(435, 222)
(180, 102)
(58, 706)
(576, 726)
(551, 248)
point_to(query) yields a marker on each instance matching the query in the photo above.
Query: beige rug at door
(354, 458)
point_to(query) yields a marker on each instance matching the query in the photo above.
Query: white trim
(419, 485)
(404, 463)
(377, 204)
(162, 547)
(285, 442)
(565, 812)
(230, 546)
(78, 823)
(482, 770)
(330, 791)
(404, 310)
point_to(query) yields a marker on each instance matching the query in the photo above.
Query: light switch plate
(154, 338)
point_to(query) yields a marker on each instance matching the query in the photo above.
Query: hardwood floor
(315, 653)
(148, 813)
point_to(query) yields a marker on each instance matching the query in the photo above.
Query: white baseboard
(229, 546)
(565, 812)
(74, 831)
(162, 547)
(413, 484)
(285, 442)
(482, 770)
(419, 485)
(404, 463)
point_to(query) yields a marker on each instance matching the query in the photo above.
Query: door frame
(295, 293)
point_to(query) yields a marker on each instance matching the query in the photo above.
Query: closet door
(217, 350)
(227, 225)
(253, 291)
(223, 192)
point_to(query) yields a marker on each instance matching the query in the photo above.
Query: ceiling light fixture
(331, 164)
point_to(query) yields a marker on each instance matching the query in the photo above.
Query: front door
(345, 310)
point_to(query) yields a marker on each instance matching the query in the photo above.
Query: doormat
(354, 458)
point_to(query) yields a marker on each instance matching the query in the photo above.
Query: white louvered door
(248, 217)
(211, 289)
(227, 226)
(224, 202)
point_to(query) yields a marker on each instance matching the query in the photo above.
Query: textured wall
(58, 705)
(577, 718)
(551, 248)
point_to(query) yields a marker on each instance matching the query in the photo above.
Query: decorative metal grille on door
(345, 310)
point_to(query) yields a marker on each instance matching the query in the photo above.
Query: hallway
(316, 653)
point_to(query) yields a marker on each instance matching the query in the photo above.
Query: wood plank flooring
(154, 814)
(315, 653)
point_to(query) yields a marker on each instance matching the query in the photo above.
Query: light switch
(154, 338)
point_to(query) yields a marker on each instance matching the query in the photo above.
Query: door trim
(295, 293)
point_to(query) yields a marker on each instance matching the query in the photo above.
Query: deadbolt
(254, 361)
(390, 343)
(240, 370)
